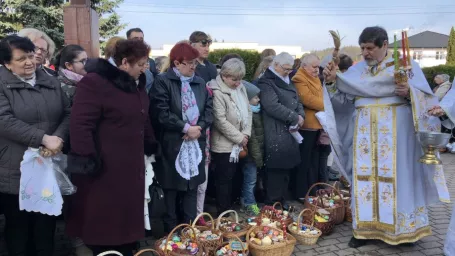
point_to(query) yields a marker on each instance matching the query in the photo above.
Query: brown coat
(109, 126)
(310, 92)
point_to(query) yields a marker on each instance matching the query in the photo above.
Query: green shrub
(430, 72)
(251, 59)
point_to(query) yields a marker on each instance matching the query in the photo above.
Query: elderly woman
(110, 133)
(443, 85)
(282, 115)
(34, 112)
(70, 64)
(231, 127)
(44, 48)
(181, 108)
(315, 149)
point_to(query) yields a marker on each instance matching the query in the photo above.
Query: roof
(426, 39)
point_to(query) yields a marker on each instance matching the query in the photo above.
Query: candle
(395, 52)
(407, 48)
(403, 48)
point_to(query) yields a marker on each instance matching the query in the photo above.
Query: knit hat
(251, 89)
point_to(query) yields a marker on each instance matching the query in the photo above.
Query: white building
(295, 51)
(427, 48)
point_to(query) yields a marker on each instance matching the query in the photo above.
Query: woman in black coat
(282, 114)
(180, 122)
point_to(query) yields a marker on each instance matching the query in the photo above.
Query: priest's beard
(372, 62)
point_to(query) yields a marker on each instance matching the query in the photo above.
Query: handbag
(157, 208)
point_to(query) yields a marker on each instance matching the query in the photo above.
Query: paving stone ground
(336, 244)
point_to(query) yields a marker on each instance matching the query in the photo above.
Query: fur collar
(119, 78)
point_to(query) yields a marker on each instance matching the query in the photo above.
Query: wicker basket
(289, 219)
(178, 253)
(228, 235)
(209, 246)
(244, 247)
(348, 214)
(305, 239)
(285, 248)
(337, 213)
(146, 250)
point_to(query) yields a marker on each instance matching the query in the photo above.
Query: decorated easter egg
(266, 241)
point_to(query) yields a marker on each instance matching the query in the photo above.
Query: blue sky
(293, 22)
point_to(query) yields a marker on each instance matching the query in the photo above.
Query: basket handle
(168, 238)
(110, 252)
(218, 221)
(300, 216)
(204, 214)
(146, 250)
(241, 244)
(277, 203)
(324, 184)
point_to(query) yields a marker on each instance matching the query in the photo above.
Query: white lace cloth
(234, 156)
(188, 159)
(39, 190)
(149, 174)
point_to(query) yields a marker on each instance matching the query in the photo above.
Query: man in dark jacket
(137, 33)
(205, 69)
(282, 114)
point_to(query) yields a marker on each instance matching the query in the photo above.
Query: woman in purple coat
(110, 132)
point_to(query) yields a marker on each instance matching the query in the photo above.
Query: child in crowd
(254, 161)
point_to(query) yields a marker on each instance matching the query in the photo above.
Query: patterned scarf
(190, 155)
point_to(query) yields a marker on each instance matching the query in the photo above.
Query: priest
(372, 123)
(446, 113)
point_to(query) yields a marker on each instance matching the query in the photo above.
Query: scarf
(255, 109)
(311, 81)
(74, 78)
(190, 154)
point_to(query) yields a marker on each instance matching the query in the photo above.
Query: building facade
(427, 48)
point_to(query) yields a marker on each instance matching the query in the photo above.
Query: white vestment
(448, 105)
(373, 134)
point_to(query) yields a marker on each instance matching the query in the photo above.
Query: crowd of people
(201, 123)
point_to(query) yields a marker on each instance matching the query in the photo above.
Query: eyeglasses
(286, 69)
(206, 42)
(83, 61)
(43, 51)
(191, 64)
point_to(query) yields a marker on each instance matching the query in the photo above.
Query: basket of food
(208, 237)
(329, 199)
(270, 216)
(177, 245)
(322, 221)
(235, 247)
(304, 233)
(269, 241)
(231, 229)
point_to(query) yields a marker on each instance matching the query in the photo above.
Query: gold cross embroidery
(363, 129)
(384, 130)
(364, 168)
(385, 169)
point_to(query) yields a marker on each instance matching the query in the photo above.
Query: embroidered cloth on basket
(39, 189)
(373, 135)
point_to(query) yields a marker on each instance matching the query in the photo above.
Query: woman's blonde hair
(109, 50)
(265, 63)
(34, 34)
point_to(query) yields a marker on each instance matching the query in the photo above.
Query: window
(417, 55)
(441, 55)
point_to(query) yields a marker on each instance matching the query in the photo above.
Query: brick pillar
(81, 26)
